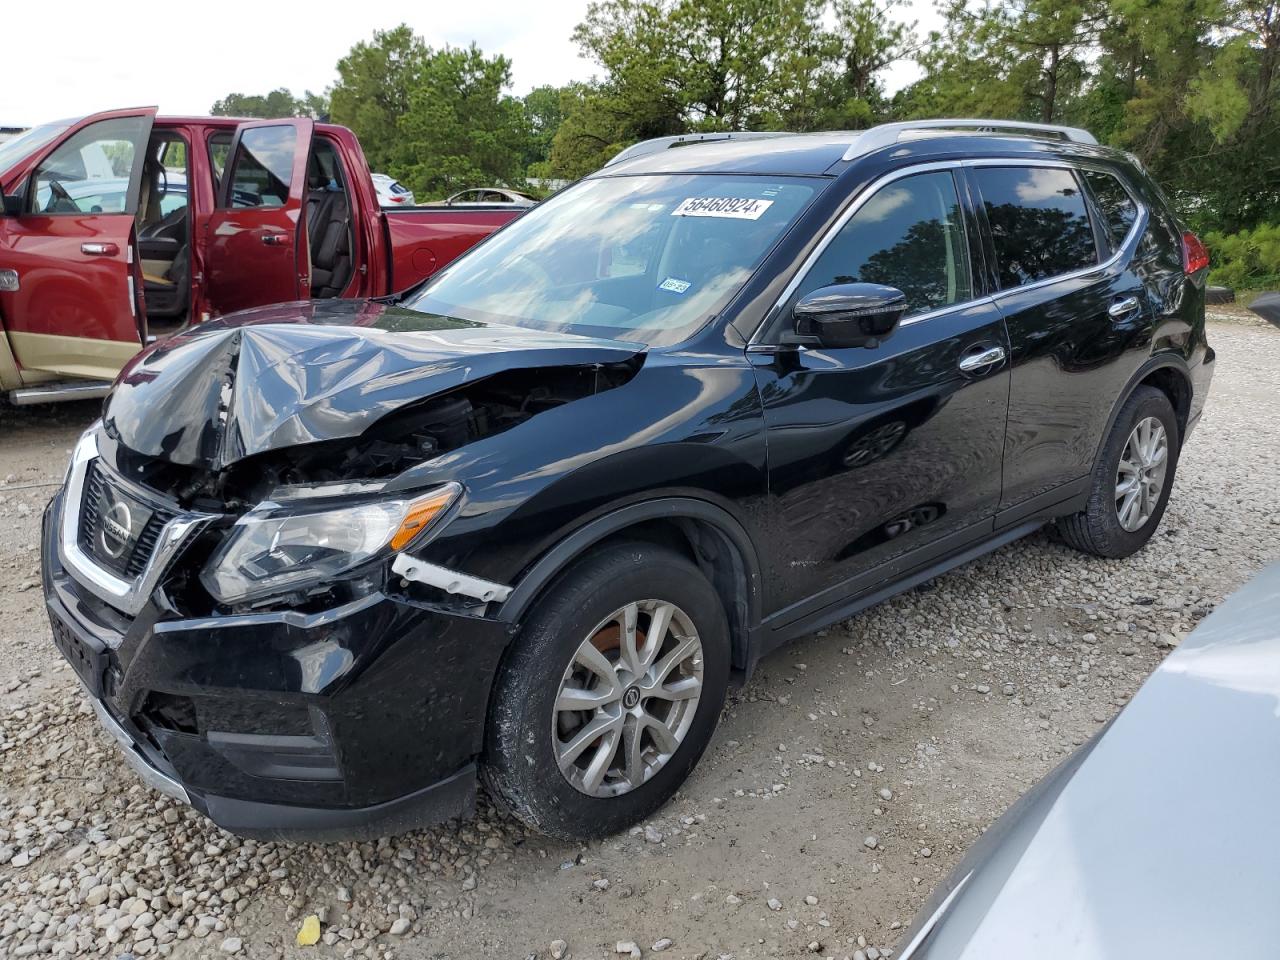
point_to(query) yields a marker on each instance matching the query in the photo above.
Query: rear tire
(572, 652)
(1124, 508)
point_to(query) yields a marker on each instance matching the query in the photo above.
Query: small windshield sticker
(674, 285)
(732, 208)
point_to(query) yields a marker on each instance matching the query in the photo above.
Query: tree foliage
(438, 120)
(1188, 86)
(278, 103)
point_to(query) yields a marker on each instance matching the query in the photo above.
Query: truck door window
(262, 168)
(91, 171)
(1039, 224)
(219, 150)
(910, 235)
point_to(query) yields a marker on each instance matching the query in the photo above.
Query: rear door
(1078, 322)
(256, 241)
(76, 309)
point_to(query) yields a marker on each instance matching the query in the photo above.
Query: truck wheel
(1131, 480)
(610, 693)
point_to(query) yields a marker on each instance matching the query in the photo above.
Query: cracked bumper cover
(360, 721)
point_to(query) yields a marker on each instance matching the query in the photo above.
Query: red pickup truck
(122, 226)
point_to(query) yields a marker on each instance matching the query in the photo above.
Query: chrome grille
(132, 560)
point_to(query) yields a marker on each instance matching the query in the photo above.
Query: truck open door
(71, 298)
(256, 242)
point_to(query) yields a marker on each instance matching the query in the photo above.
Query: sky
(198, 54)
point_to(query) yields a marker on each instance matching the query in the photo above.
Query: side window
(219, 150)
(909, 235)
(1118, 210)
(91, 171)
(263, 167)
(1039, 222)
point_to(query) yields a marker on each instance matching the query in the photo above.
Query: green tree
(1024, 60)
(867, 39)
(461, 129)
(375, 80)
(676, 66)
(544, 111)
(277, 103)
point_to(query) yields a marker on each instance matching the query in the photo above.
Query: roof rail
(888, 134)
(658, 144)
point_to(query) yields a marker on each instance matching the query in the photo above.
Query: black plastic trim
(1157, 362)
(771, 639)
(666, 508)
(444, 800)
(1062, 500)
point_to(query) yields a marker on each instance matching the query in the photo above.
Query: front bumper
(359, 721)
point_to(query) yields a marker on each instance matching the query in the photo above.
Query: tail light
(1194, 255)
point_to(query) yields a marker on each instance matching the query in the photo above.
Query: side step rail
(58, 392)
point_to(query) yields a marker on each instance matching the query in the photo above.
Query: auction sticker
(731, 208)
(674, 285)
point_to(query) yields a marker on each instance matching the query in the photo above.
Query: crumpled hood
(297, 373)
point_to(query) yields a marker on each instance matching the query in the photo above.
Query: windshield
(642, 258)
(25, 144)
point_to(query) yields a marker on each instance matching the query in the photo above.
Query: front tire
(1131, 481)
(610, 693)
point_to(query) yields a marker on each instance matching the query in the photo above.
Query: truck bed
(423, 239)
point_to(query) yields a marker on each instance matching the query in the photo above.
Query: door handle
(275, 239)
(99, 249)
(1122, 307)
(980, 360)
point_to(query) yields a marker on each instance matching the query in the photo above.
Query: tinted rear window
(1118, 210)
(1039, 222)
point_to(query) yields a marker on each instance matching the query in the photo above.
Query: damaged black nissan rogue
(323, 566)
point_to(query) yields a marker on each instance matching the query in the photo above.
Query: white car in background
(391, 192)
(490, 196)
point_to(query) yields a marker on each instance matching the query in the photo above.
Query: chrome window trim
(128, 596)
(757, 343)
(1139, 223)
(854, 205)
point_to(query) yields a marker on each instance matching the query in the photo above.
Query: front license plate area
(87, 658)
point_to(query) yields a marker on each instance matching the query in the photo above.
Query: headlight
(280, 546)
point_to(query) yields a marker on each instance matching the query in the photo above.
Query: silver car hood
(1159, 838)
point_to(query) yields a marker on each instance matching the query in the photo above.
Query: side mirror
(9, 206)
(1267, 306)
(849, 314)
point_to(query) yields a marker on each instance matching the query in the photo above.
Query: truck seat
(329, 236)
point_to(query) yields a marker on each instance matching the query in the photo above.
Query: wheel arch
(712, 537)
(1168, 373)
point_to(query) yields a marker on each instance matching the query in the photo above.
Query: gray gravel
(844, 781)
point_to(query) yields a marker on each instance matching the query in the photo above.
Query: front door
(76, 309)
(256, 241)
(882, 458)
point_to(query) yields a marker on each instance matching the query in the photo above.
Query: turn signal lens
(1194, 255)
(421, 513)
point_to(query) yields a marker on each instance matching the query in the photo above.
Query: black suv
(321, 564)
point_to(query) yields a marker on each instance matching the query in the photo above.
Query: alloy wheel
(627, 698)
(1141, 473)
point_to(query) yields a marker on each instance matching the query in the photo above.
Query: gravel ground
(843, 782)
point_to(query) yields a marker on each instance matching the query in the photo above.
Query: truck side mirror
(850, 314)
(9, 206)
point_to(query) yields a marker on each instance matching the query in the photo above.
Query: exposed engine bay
(413, 434)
